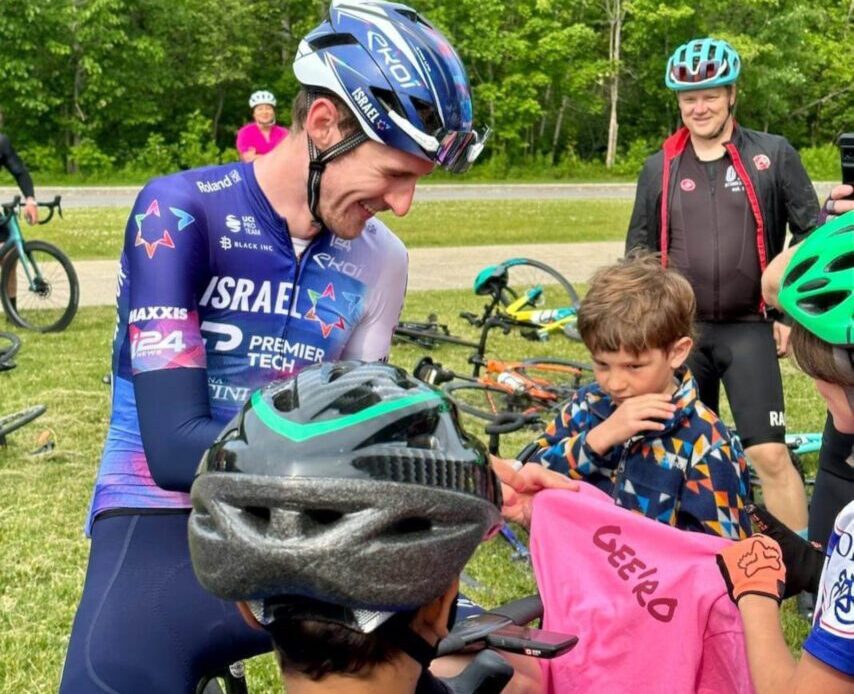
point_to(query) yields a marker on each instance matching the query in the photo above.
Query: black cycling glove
(804, 560)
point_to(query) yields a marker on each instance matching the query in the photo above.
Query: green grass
(97, 233)
(43, 500)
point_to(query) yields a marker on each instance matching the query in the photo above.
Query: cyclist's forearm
(175, 423)
(772, 667)
(25, 183)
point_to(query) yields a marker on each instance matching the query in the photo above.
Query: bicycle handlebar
(10, 208)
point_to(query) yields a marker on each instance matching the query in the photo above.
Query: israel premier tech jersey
(209, 280)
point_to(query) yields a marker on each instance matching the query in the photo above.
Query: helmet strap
(414, 645)
(319, 159)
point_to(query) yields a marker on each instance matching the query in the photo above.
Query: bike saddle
(490, 280)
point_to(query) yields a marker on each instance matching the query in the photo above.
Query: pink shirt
(647, 601)
(250, 136)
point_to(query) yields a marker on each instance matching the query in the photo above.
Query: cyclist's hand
(31, 211)
(520, 482)
(837, 204)
(804, 560)
(753, 566)
(633, 416)
(781, 338)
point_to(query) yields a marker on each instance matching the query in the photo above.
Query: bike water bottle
(512, 380)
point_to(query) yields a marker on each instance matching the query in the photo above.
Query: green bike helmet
(817, 289)
(702, 64)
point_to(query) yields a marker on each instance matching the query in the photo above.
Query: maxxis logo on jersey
(137, 315)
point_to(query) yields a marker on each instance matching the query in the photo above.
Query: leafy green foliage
(90, 86)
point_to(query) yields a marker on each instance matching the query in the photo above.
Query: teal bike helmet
(702, 64)
(817, 289)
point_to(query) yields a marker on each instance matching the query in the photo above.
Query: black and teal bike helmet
(817, 289)
(351, 484)
(702, 64)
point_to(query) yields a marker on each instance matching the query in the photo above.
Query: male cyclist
(715, 201)
(230, 277)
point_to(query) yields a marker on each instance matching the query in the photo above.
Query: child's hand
(634, 415)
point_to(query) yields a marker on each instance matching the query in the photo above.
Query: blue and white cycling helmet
(702, 64)
(403, 81)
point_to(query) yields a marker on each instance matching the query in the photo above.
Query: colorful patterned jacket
(693, 475)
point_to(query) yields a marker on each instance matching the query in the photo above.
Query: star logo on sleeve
(150, 225)
(324, 302)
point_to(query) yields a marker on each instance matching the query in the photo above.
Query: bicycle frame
(803, 443)
(16, 240)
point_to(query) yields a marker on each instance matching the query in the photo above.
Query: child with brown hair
(639, 432)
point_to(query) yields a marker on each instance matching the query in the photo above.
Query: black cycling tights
(834, 483)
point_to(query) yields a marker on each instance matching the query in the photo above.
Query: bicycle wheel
(559, 373)
(487, 402)
(48, 302)
(9, 346)
(16, 420)
(427, 337)
(525, 274)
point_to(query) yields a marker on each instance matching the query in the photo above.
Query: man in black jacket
(715, 202)
(9, 158)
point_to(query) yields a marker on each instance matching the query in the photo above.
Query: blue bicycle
(38, 285)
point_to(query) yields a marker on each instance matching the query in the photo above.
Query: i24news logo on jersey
(147, 342)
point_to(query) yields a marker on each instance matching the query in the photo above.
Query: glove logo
(759, 558)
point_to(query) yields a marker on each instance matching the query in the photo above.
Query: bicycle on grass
(529, 295)
(428, 334)
(38, 285)
(526, 387)
(9, 346)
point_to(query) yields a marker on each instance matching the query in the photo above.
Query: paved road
(123, 196)
(429, 268)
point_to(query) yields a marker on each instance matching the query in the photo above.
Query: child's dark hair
(636, 305)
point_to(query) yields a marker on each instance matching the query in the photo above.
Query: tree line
(147, 86)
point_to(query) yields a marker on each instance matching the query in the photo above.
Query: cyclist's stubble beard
(726, 121)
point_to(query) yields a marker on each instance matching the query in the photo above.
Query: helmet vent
(356, 400)
(842, 263)
(812, 285)
(323, 516)
(286, 400)
(427, 114)
(258, 516)
(411, 526)
(330, 40)
(798, 271)
(821, 303)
